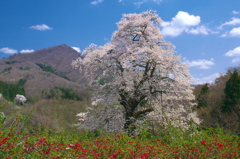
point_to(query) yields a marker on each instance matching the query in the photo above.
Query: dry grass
(58, 115)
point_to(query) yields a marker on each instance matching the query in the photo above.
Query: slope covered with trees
(219, 102)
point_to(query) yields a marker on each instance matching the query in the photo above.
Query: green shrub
(6, 69)
(46, 68)
(10, 62)
(9, 91)
(60, 92)
(25, 68)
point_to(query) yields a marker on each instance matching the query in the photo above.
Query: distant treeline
(63, 93)
(218, 103)
(52, 70)
(9, 91)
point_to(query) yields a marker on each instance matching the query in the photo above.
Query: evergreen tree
(232, 94)
(202, 97)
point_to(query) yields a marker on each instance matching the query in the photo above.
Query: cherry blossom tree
(20, 99)
(139, 70)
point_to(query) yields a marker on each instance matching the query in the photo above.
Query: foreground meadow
(168, 143)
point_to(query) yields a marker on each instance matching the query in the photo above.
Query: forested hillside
(219, 102)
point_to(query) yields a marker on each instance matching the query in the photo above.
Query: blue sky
(205, 32)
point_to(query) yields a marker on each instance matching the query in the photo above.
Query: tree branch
(142, 112)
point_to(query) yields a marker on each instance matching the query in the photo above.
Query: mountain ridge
(43, 70)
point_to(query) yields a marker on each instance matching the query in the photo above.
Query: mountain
(43, 70)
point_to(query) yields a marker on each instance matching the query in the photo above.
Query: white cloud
(76, 48)
(235, 60)
(41, 27)
(7, 50)
(157, 1)
(225, 34)
(26, 51)
(234, 52)
(201, 63)
(199, 30)
(180, 23)
(234, 21)
(235, 12)
(207, 79)
(95, 2)
(235, 32)
(139, 3)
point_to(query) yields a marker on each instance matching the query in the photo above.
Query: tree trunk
(129, 125)
(131, 115)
